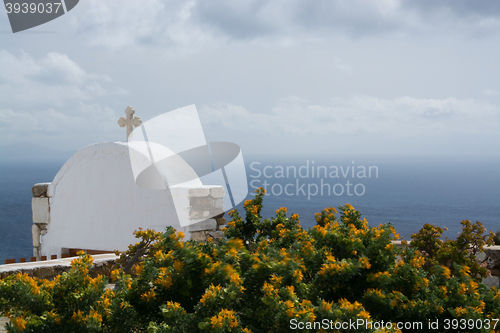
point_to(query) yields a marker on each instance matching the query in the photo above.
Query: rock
(219, 216)
(199, 236)
(202, 203)
(35, 233)
(219, 203)
(217, 192)
(40, 207)
(40, 190)
(45, 272)
(199, 192)
(209, 224)
(481, 256)
(492, 281)
(215, 234)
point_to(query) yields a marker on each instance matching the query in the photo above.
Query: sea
(407, 191)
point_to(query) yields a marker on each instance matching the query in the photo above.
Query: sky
(276, 77)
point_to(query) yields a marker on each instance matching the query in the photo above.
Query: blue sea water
(408, 192)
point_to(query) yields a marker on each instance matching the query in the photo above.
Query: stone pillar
(214, 232)
(491, 259)
(203, 202)
(40, 205)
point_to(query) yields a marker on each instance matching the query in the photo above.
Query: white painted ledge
(47, 267)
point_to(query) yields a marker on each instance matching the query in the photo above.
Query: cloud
(53, 80)
(53, 98)
(491, 92)
(460, 8)
(363, 115)
(54, 123)
(117, 24)
(196, 24)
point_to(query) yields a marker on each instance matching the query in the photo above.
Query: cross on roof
(130, 121)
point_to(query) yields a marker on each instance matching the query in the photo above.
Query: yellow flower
(235, 243)
(465, 270)
(327, 306)
(235, 278)
(345, 304)
(148, 296)
(19, 322)
(349, 206)
(268, 289)
(290, 311)
(364, 262)
(364, 314)
(224, 317)
(93, 315)
(462, 289)
(77, 315)
(233, 253)
(297, 274)
(173, 305)
(178, 265)
(276, 280)
(139, 268)
(446, 272)
(164, 280)
(211, 292)
(282, 209)
(417, 262)
(460, 311)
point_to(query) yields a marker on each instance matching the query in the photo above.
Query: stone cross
(130, 121)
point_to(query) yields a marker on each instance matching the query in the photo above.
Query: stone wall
(40, 206)
(490, 258)
(51, 268)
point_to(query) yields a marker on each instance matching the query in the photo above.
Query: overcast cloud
(369, 76)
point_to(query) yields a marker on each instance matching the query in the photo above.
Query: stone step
(3, 321)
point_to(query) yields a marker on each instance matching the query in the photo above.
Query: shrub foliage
(262, 275)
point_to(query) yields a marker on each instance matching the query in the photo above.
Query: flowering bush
(496, 238)
(266, 275)
(455, 255)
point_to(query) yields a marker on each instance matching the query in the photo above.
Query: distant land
(25, 152)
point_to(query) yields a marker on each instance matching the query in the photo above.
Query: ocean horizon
(407, 191)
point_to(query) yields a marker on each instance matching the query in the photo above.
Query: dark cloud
(259, 18)
(459, 8)
(241, 20)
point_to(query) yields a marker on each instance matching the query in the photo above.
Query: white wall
(96, 204)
